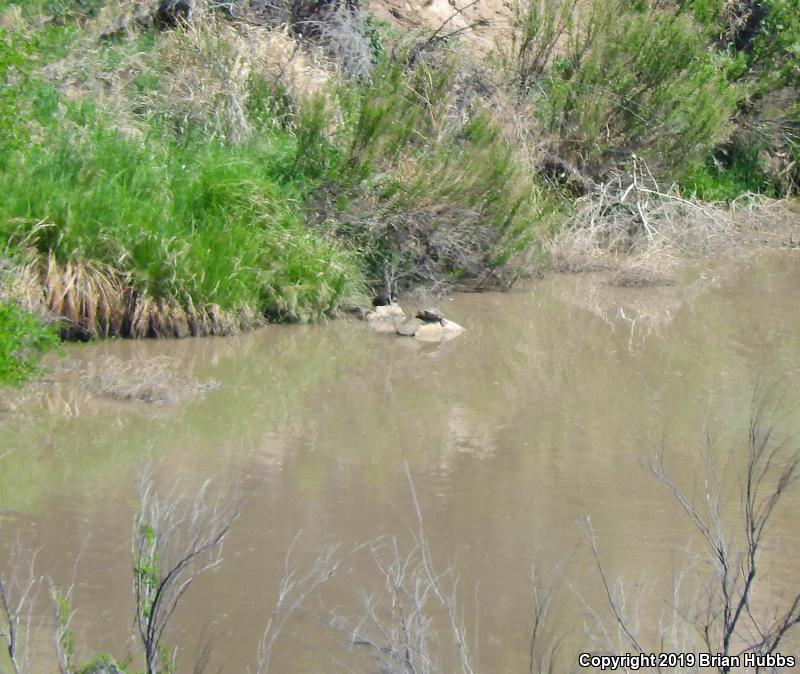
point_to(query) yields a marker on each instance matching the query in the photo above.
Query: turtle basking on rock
(431, 315)
(428, 325)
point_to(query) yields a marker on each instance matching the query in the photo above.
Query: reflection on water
(542, 413)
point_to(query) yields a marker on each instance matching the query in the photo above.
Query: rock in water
(442, 331)
(430, 332)
(385, 318)
(390, 310)
(409, 327)
(451, 329)
(428, 326)
(385, 324)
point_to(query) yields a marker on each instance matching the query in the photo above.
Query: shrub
(763, 39)
(620, 79)
(732, 172)
(24, 337)
(422, 181)
(764, 34)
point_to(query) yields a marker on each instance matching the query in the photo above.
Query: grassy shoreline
(209, 177)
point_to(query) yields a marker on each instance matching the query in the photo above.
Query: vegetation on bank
(167, 177)
(24, 337)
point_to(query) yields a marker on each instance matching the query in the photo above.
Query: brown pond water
(544, 412)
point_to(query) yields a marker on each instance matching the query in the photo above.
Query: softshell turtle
(431, 315)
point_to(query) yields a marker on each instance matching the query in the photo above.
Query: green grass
(734, 172)
(301, 203)
(22, 51)
(24, 338)
(192, 219)
(634, 78)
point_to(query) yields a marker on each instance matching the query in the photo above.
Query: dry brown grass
(149, 317)
(94, 300)
(150, 380)
(634, 227)
(203, 71)
(210, 65)
(89, 297)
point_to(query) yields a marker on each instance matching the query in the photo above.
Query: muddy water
(546, 411)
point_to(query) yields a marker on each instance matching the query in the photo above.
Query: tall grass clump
(615, 78)
(194, 221)
(136, 201)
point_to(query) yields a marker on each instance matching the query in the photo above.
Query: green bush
(100, 664)
(419, 179)
(732, 172)
(763, 34)
(762, 39)
(629, 78)
(24, 337)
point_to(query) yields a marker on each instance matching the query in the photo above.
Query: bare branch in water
(175, 539)
(17, 592)
(399, 626)
(293, 592)
(544, 642)
(729, 624)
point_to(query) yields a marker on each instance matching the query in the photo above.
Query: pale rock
(385, 324)
(386, 319)
(430, 332)
(438, 332)
(409, 327)
(387, 311)
(451, 330)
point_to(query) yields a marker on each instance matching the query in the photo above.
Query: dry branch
(18, 588)
(402, 629)
(631, 224)
(730, 623)
(175, 540)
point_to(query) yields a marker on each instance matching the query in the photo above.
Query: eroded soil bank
(542, 413)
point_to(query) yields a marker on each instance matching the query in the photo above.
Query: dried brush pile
(212, 73)
(218, 74)
(633, 226)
